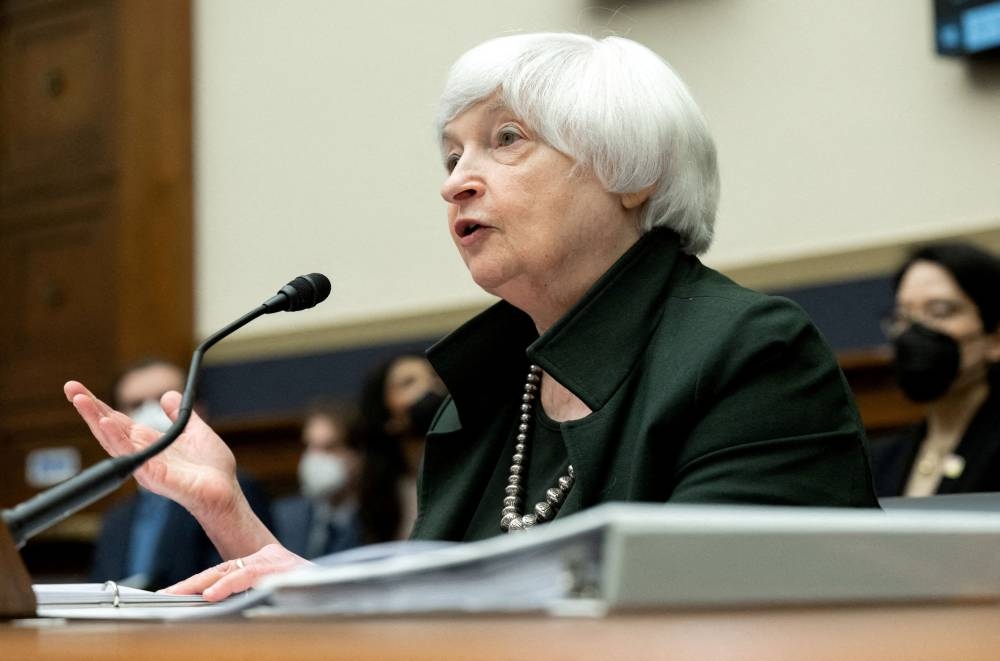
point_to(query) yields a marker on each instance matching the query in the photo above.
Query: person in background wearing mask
(398, 402)
(148, 541)
(945, 329)
(324, 519)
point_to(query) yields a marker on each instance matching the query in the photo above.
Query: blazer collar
(590, 350)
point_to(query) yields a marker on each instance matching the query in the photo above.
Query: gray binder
(626, 557)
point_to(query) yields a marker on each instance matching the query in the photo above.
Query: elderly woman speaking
(581, 183)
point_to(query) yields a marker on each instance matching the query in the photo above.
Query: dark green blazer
(702, 391)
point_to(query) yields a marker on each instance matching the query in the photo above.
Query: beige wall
(838, 129)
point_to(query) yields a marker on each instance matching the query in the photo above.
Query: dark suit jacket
(183, 548)
(701, 391)
(293, 522)
(893, 457)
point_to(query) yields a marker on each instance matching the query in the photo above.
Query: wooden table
(958, 631)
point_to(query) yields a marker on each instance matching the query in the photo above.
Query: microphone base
(17, 599)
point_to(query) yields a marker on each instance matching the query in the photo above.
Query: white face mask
(321, 475)
(151, 415)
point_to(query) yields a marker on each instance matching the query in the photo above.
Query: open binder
(110, 600)
(646, 556)
(107, 594)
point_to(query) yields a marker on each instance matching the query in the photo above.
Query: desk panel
(968, 632)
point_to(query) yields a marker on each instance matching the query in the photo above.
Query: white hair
(613, 106)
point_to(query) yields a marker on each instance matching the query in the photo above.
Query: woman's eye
(451, 162)
(507, 137)
(404, 382)
(941, 309)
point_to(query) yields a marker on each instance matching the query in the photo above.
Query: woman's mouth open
(468, 231)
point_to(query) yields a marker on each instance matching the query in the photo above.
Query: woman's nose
(462, 184)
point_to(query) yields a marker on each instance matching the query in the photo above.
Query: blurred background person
(324, 518)
(148, 541)
(944, 329)
(398, 401)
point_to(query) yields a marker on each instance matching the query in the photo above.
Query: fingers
(218, 582)
(198, 583)
(115, 431)
(72, 389)
(239, 580)
(171, 403)
(88, 406)
(233, 576)
(119, 437)
(96, 418)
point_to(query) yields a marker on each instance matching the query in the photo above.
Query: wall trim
(333, 337)
(798, 272)
(851, 263)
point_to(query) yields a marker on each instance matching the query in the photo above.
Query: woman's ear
(636, 199)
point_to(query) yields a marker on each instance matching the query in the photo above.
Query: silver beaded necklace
(511, 518)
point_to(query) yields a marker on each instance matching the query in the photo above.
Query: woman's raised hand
(198, 470)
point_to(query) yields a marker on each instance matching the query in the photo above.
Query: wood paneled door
(95, 209)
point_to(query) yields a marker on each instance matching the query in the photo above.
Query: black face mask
(422, 412)
(927, 363)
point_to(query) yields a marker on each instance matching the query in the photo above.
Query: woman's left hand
(232, 576)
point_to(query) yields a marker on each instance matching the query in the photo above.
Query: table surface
(966, 631)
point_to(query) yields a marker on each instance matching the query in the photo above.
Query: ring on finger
(240, 564)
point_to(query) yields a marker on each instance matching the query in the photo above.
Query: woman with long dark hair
(398, 401)
(945, 328)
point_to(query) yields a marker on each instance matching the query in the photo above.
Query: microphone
(53, 505)
(302, 293)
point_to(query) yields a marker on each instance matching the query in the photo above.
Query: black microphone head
(301, 293)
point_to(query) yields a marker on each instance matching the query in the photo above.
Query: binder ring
(112, 587)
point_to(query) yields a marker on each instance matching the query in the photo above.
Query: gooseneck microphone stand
(52, 506)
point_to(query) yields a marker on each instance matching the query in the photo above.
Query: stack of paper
(653, 556)
(639, 556)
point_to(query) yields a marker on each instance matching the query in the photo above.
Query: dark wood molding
(96, 209)
(155, 258)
